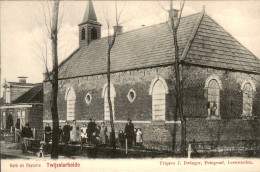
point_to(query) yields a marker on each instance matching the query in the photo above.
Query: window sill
(213, 117)
(158, 122)
(246, 117)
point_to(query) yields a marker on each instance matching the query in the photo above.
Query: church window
(83, 34)
(131, 96)
(106, 104)
(88, 98)
(158, 101)
(93, 33)
(247, 99)
(71, 99)
(213, 98)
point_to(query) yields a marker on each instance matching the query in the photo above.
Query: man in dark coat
(129, 132)
(66, 132)
(60, 133)
(47, 133)
(26, 131)
(90, 130)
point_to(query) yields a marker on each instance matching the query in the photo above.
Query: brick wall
(35, 117)
(195, 106)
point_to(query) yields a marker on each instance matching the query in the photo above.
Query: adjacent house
(22, 104)
(221, 81)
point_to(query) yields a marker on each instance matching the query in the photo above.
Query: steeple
(89, 28)
(90, 14)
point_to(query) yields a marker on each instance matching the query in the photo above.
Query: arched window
(93, 33)
(83, 34)
(71, 99)
(112, 98)
(247, 99)
(158, 100)
(213, 97)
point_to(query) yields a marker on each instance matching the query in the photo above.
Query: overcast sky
(22, 26)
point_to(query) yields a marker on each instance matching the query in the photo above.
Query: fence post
(34, 133)
(126, 146)
(189, 151)
(15, 135)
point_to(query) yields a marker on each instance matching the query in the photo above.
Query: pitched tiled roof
(34, 95)
(208, 44)
(149, 46)
(213, 46)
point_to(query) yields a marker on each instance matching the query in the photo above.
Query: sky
(23, 27)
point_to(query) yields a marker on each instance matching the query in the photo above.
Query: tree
(111, 41)
(174, 21)
(55, 84)
(50, 25)
(174, 25)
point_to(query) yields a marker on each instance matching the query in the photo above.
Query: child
(83, 134)
(135, 130)
(121, 138)
(139, 137)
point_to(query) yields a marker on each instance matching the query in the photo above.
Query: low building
(22, 104)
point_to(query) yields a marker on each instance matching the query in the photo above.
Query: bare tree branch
(179, 18)
(161, 6)
(47, 28)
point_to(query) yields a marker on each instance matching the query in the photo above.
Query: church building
(221, 81)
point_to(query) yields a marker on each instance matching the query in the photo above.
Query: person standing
(139, 137)
(121, 138)
(60, 133)
(129, 132)
(47, 133)
(83, 134)
(90, 130)
(26, 131)
(103, 133)
(66, 133)
(74, 132)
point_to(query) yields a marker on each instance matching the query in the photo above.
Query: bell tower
(89, 28)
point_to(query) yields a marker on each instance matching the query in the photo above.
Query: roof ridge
(192, 36)
(141, 28)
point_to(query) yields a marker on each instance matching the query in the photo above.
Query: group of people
(131, 135)
(94, 134)
(91, 134)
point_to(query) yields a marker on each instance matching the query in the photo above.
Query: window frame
(253, 87)
(83, 33)
(216, 78)
(93, 33)
(106, 105)
(70, 103)
(86, 98)
(130, 99)
(166, 91)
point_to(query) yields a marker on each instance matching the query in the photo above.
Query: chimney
(44, 76)
(175, 13)
(22, 79)
(119, 29)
